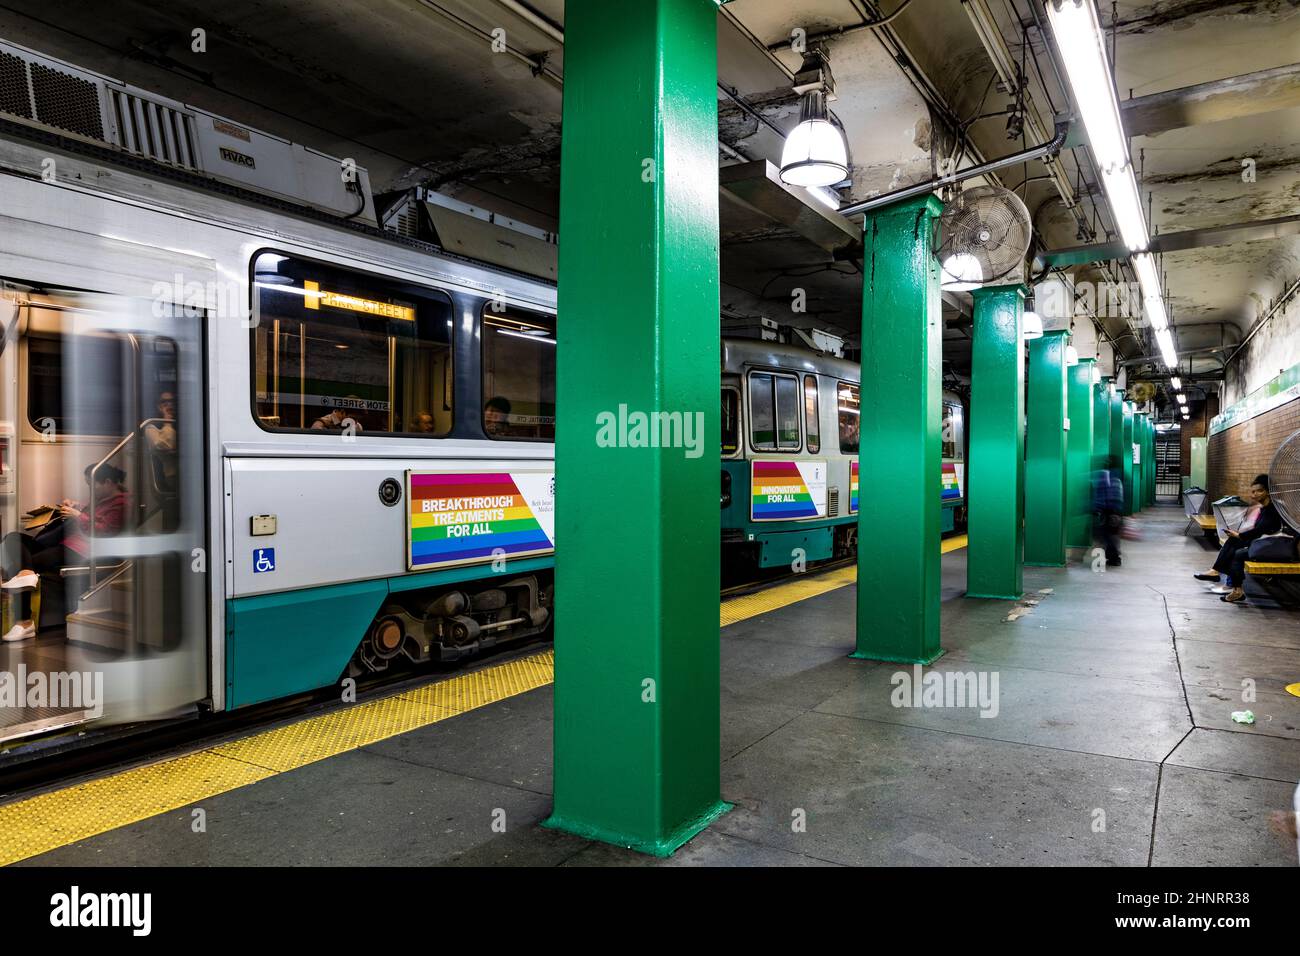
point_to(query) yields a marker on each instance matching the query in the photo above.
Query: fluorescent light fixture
(825, 197)
(1126, 205)
(1184, 410)
(1177, 383)
(1071, 355)
(1083, 50)
(1165, 338)
(815, 153)
(1182, 399)
(961, 273)
(1033, 326)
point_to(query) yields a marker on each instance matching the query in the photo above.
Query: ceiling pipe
(961, 175)
(1287, 296)
(534, 19)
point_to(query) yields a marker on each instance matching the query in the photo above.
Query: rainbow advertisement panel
(787, 490)
(460, 518)
(953, 488)
(853, 487)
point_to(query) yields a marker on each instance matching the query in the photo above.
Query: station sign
(462, 518)
(787, 489)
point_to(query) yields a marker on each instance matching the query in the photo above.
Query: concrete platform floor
(1112, 745)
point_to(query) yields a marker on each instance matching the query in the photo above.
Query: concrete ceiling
(413, 91)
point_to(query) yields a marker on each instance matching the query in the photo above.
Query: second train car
(790, 427)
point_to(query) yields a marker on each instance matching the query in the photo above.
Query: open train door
(113, 389)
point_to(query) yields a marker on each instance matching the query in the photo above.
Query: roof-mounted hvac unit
(43, 92)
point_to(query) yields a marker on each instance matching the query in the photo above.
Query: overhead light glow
(825, 197)
(1126, 205)
(1033, 326)
(1182, 399)
(961, 273)
(1165, 338)
(1184, 410)
(815, 153)
(1083, 49)
(1177, 383)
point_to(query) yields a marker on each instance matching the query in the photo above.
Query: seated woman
(44, 552)
(1232, 556)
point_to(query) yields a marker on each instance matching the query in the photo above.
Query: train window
(76, 384)
(812, 426)
(952, 428)
(761, 420)
(730, 421)
(849, 403)
(774, 411)
(337, 350)
(518, 375)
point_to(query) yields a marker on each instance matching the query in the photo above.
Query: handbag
(1273, 548)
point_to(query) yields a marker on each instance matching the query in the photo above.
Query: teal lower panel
(947, 520)
(296, 641)
(778, 549)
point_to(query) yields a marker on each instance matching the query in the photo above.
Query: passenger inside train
(62, 538)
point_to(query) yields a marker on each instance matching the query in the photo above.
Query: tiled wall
(1237, 455)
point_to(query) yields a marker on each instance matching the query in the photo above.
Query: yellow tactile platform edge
(745, 606)
(51, 820)
(48, 821)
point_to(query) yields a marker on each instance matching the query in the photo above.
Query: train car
(790, 429)
(277, 446)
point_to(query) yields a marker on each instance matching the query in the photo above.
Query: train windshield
(336, 350)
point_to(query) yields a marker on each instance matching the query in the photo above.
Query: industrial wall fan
(984, 235)
(1284, 480)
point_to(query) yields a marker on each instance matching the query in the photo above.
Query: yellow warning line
(745, 606)
(50, 820)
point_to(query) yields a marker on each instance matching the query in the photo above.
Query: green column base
(665, 846)
(860, 656)
(996, 597)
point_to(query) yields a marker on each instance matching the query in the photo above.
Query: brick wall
(1237, 455)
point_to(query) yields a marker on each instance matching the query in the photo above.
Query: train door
(102, 511)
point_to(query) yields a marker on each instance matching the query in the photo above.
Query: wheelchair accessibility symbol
(263, 560)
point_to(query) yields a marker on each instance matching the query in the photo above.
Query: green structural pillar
(1141, 478)
(996, 471)
(1151, 469)
(1117, 432)
(1126, 452)
(1045, 452)
(899, 453)
(1079, 442)
(1101, 424)
(636, 693)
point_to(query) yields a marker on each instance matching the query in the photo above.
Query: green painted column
(1117, 431)
(1045, 452)
(1101, 423)
(996, 470)
(637, 691)
(1126, 453)
(1142, 478)
(899, 456)
(1079, 442)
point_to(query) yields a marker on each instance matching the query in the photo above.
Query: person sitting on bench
(43, 552)
(1232, 556)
